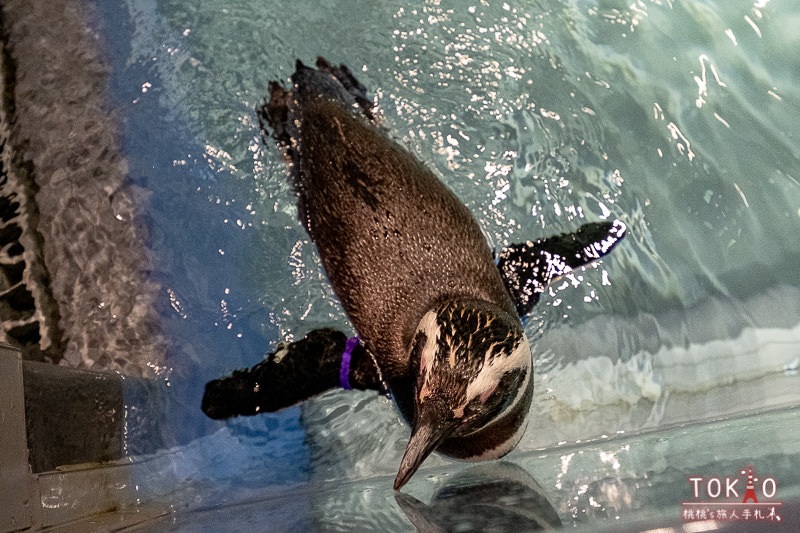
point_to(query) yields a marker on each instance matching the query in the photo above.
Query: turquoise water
(679, 118)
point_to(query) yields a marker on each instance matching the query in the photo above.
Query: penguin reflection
(489, 497)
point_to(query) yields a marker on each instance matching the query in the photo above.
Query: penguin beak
(433, 425)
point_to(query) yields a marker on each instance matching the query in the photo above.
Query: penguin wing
(292, 373)
(527, 268)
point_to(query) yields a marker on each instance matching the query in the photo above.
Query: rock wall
(75, 287)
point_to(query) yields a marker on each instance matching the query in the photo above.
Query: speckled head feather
(473, 384)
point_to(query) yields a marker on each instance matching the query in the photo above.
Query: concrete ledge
(73, 416)
(81, 416)
(16, 481)
(63, 446)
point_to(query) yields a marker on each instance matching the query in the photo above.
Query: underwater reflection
(488, 497)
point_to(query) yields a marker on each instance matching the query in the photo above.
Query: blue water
(679, 118)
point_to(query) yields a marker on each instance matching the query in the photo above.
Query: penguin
(438, 318)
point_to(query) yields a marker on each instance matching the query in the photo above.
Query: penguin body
(393, 240)
(439, 320)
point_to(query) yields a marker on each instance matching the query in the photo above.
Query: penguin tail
(355, 88)
(335, 82)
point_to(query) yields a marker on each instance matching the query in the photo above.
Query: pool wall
(79, 339)
(86, 294)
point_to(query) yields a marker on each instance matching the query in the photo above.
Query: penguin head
(473, 384)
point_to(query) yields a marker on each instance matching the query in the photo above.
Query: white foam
(755, 353)
(598, 381)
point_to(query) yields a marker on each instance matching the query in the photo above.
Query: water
(679, 118)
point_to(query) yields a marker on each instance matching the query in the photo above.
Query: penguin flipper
(527, 268)
(292, 373)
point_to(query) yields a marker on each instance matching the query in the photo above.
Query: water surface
(679, 118)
